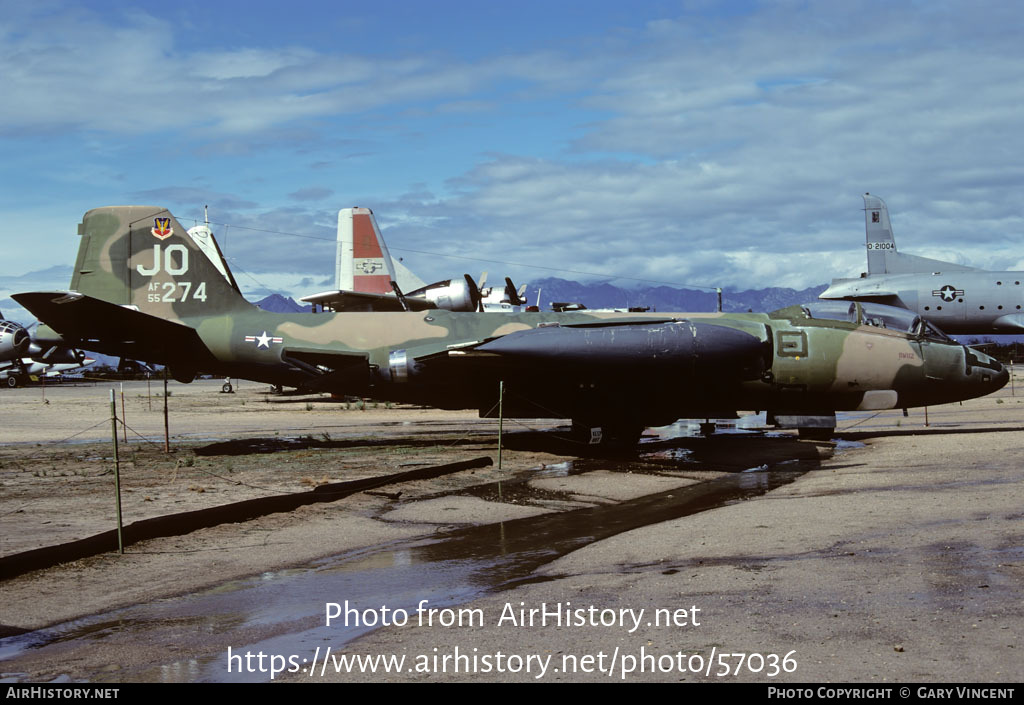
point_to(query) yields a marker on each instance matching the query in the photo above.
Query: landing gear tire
(12, 381)
(226, 388)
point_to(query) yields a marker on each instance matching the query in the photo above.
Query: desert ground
(897, 557)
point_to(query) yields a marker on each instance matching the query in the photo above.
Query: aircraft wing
(90, 323)
(349, 301)
(1010, 323)
(880, 289)
(626, 348)
(584, 369)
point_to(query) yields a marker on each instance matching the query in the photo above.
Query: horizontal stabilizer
(899, 263)
(98, 325)
(354, 301)
(883, 257)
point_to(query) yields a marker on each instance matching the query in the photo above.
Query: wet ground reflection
(283, 612)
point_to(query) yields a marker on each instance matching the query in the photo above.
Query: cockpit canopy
(872, 314)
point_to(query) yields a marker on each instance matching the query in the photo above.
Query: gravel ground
(901, 559)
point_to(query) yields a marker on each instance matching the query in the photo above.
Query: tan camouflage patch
(509, 328)
(364, 331)
(871, 357)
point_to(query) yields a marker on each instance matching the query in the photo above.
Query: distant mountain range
(604, 295)
(666, 298)
(275, 303)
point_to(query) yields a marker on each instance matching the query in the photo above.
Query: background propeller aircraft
(144, 288)
(25, 353)
(368, 279)
(959, 299)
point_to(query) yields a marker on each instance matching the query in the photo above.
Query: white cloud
(700, 148)
(78, 70)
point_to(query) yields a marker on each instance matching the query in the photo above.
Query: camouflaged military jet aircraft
(959, 299)
(145, 288)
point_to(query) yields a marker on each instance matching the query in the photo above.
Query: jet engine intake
(401, 367)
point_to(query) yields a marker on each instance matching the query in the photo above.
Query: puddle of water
(283, 612)
(691, 427)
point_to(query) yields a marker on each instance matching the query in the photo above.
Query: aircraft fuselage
(959, 302)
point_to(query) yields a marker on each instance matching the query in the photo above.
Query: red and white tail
(363, 261)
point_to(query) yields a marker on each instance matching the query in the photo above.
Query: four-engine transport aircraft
(368, 279)
(143, 288)
(25, 354)
(15, 372)
(959, 299)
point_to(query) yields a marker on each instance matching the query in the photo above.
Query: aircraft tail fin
(142, 257)
(363, 261)
(883, 258)
(878, 234)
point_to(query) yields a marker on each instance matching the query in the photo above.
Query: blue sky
(688, 142)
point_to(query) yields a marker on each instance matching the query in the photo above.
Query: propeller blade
(474, 291)
(511, 293)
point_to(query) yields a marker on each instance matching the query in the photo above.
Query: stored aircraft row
(368, 279)
(145, 288)
(24, 355)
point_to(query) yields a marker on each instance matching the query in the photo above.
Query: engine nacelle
(55, 354)
(402, 366)
(450, 294)
(14, 340)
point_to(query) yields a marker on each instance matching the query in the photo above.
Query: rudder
(363, 263)
(881, 245)
(878, 234)
(141, 256)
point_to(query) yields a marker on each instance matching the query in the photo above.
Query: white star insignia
(263, 341)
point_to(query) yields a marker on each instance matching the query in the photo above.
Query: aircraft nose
(992, 374)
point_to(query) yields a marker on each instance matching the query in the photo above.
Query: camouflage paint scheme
(144, 288)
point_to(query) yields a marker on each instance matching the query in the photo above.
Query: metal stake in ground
(117, 469)
(501, 418)
(167, 428)
(124, 416)
(501, 396)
